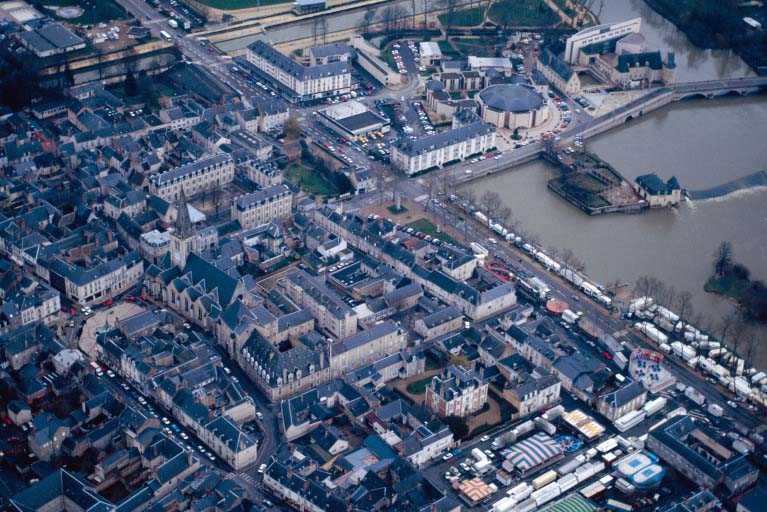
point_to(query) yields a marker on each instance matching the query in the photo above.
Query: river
(702, 142)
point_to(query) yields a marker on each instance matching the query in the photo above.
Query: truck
(545, 479)
(570, 316)
(547, 262)
(478, 454)
(545, 426)
(172, 23)
(481, 217)
(654, 406)
(715, 410)
(694, 395)
(478, 249)
(165, 35)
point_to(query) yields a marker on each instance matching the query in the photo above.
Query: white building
(413, 156)
(193, 178)
(300, 83)
(98, 283)
(262, 206)
(599, 34)
(431, 54)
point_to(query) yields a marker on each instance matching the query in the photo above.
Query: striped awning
(533, 452)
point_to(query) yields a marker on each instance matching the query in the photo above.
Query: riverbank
(716, 24)
(750, 296)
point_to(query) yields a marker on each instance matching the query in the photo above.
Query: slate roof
(559, 66)
(631, 60)
(444, 139)
(293, 68)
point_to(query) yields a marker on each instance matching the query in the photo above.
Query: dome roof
(511, 97)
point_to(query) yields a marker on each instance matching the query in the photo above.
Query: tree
(292, 129)
(391, 15)
(450, 10)
(516, 136)
(131, 85)
(216, 197)
(490, 202)
(431, 186)
(722, 259)
(367, 20)
(457, 426)
(380, 175)
(570, 260)
(684, 305)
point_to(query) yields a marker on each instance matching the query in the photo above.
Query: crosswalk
(247, 478)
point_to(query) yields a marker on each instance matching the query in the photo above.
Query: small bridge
(662, 96)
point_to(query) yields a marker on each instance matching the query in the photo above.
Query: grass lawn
(426, 227)
(394, 211)
(465, 18)
(231, 5)
(446, 48)
(431, 363)
(523, 13)
(565, 7)
(94, 11)
(309, 179)
(729, 286)
(418, 387)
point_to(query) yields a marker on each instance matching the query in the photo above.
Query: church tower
(182, 239)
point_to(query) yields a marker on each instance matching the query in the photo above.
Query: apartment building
(332, 314)
(262, 206)
(439, 323)
(193, 178)
(629, 397)
(299, 83)
(457, 391)
(239, 449)
(558, 73)
(366, 347)
(413, 156)
(531, 393)
(98, 283)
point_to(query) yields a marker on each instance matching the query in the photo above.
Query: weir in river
(757, 179)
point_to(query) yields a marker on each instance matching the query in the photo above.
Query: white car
(484, 439)
(262, 468)
(447, 456)
(165, 420)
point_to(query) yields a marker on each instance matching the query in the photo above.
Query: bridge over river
(654, 99)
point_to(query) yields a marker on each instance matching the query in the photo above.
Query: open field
(523, 13)
(428, 228)
(232, 5)
(465, 18)
(93, 12)
(309, 179)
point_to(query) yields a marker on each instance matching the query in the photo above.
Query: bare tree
(412, 13)
(367, 20)
(216, 197)
(750, 348)
(291, 146)
(450, 10)
(391, 16)
(570, 261)
(447, 183)
(684, 305)
(380, 179)
(490, 202)
(431, 186)
(725, 325)
(503, 215)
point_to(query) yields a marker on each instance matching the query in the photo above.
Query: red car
(607, 355)
(130, 298)
(142, 297)
(107, 303)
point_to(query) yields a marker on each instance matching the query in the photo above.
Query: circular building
(513, 106)
(556, 307)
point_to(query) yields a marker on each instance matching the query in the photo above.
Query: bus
(165, 35)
